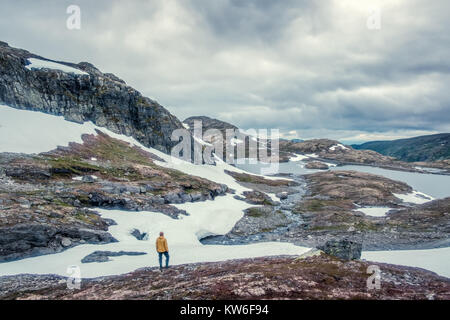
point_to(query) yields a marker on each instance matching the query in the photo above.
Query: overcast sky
(312, 69)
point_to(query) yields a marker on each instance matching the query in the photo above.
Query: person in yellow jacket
(163, 249)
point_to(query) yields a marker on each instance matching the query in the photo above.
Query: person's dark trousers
(166, 254)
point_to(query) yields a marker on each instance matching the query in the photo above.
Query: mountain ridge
(421, 148)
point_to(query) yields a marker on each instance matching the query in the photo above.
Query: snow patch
(341, 146)
(43, 64)
(25, 131)
(415, 197)
(298, 157)
(374, 211)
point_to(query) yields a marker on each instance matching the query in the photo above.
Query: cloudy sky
(312, 69)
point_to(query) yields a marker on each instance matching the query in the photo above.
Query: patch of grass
(365, 226)
(315, 205)
(335, 227)
(61, 203)
(68, 165)
(254, 212)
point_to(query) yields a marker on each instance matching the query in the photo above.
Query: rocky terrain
(329, 210)
(99, 97)
(339, 154)
(321, 149)
(47, 201)
(285, 277)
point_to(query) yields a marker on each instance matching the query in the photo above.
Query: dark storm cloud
(309, 68)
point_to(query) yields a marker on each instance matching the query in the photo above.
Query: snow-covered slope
(29, 132)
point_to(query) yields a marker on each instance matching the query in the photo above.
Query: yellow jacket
(161, 244)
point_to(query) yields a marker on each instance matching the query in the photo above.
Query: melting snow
(25, 131)
(206, 218)
(374, 211)
(341, 146)
(298, 157)
(415, 197)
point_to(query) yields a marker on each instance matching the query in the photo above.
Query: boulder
(138, 235)
(282, 195)
(343, 249)
(65, 242)
(316, 165)
(103, 256)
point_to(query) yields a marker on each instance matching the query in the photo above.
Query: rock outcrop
(316, 165)
(103, 256)
(343, 249)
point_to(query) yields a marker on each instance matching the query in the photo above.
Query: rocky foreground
(283, 277)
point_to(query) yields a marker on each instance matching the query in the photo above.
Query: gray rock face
(343, 249)
(103, 256)
(99, 97)
(138, 235)
(24, 240)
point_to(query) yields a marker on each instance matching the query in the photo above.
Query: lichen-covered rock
(343, 249)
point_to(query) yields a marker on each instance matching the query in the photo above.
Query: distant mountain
(424, 148)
